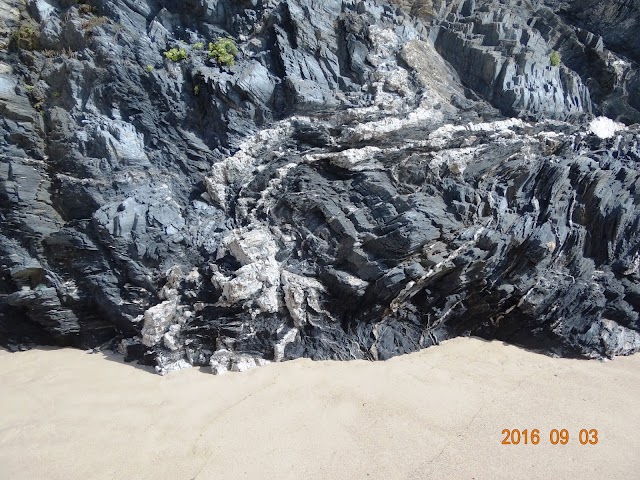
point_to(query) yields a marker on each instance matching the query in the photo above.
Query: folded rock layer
(364, 180)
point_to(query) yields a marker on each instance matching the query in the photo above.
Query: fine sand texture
(436, 414)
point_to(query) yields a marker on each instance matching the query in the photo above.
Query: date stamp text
(556, 436)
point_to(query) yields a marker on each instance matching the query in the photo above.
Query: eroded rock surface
(366, 180)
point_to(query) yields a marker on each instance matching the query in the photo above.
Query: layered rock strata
(361, 183)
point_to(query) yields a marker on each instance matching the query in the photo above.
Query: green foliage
(149, 68)
(555, 58)
(176, 54)
(198, 46)
(86, 9)
(223, 51)
(29, 88)
(26, 37)
(196, 90)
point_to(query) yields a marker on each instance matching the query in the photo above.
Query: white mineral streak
(242, 164)
(170, 289)
(170, 339)
(193, 276)
(259, 283)
(173, 367)
(278, 349)
(620, 66)
(157, 320)
(354, 159)
(266, 200)
(604, 127)
(414, 287)
(164, 320)
(456, 159)
(388, 77)
(223, 361)
(383, 41)
(300, 295)
(259, 277)
(220, 361)
(368, 131)
(225, 173)
(439, 137)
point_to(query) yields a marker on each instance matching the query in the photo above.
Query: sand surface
(436, 414)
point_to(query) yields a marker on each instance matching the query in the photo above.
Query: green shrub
(555, 58)
(176, 54)
(196, 90)
(198, 46)
(149, 68)
(26, 37)
(223, 51)
(86, 9)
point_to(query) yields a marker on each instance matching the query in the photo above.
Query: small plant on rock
(223, 51)
(93, 23)
(26, 37)
(149, 68)
(86, 9)
(555, 58)
(176, 54)
(198, 46)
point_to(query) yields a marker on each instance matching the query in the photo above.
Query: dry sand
(436, 414)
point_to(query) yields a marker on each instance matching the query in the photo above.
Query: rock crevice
(365, 180)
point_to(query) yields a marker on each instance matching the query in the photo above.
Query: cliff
(363, 180)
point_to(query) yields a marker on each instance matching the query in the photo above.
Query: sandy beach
(436, 414)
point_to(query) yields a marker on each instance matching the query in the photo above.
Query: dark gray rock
(352, 187)
(503, 53)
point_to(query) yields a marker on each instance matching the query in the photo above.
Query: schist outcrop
(227, 183)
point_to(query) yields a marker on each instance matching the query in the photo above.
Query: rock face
(503, 53)
(362, 182)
